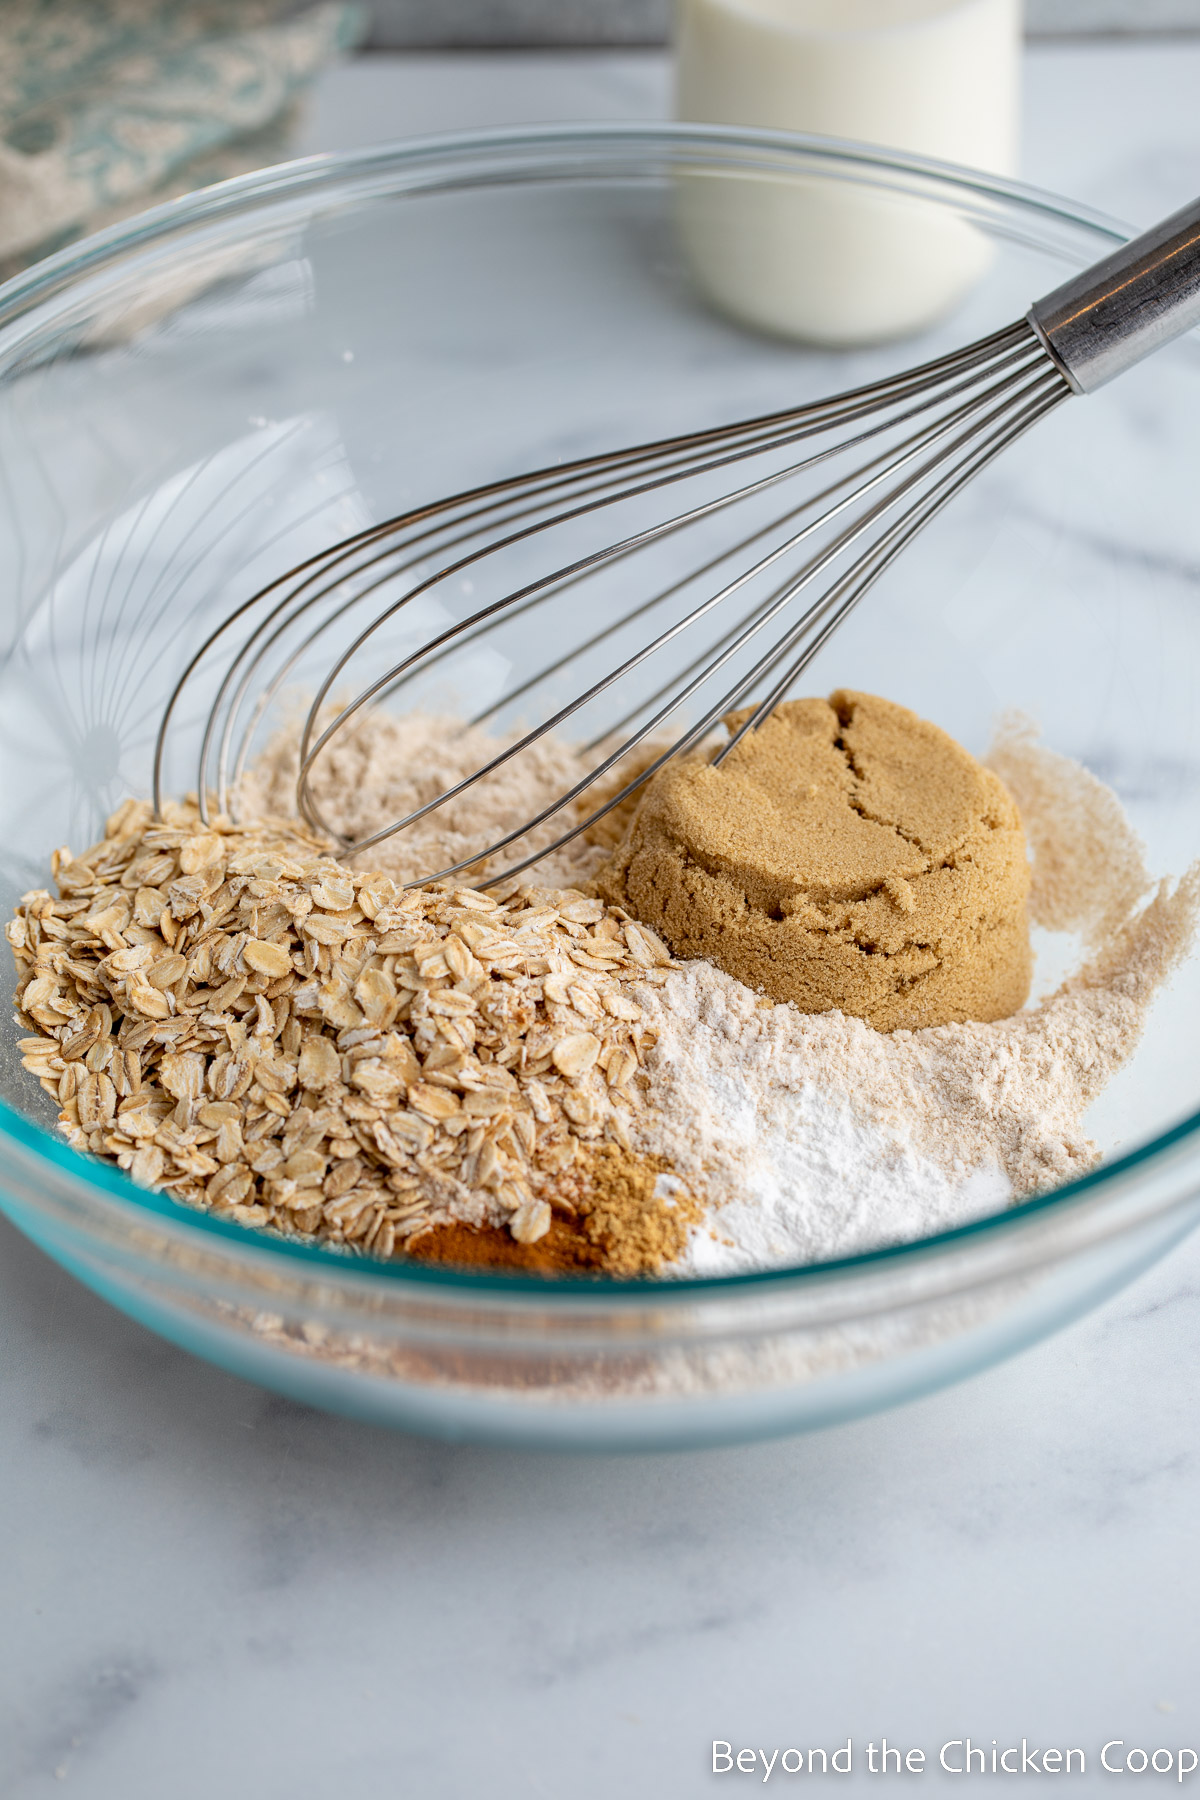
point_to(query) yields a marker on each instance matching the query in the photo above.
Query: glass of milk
(818, 260)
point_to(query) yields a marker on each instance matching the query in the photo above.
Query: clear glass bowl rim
(545, 153)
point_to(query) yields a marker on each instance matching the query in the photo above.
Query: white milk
(822, 260)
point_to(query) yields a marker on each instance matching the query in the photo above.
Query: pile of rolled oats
(242, 1021)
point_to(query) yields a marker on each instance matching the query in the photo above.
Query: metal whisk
(825, 497)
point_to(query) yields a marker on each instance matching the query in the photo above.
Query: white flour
(804, 1176)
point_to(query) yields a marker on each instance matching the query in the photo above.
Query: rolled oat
(241, 1021)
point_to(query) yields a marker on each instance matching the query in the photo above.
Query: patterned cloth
(109, 105)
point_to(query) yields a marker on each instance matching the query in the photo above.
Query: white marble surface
(208, 1591)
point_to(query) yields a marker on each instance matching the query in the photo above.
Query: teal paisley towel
(109, 105)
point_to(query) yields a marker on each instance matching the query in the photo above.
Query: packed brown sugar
(846, 855)
(531, 1078)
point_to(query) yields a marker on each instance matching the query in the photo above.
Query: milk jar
(818, 259)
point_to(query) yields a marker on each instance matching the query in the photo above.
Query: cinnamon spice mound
(629, 1216)
(563, 1250)
(847, 855)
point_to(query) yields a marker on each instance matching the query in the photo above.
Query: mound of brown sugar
(846, 855)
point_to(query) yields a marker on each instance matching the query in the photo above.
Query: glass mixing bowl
(198, 398)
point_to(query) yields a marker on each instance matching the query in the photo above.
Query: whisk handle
(1103, 321)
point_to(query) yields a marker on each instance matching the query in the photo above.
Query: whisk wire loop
(863, 485)
(911, 443)
(866, 477)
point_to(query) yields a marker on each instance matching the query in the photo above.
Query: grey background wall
(441, 24)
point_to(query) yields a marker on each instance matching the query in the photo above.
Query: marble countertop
(211, 1591)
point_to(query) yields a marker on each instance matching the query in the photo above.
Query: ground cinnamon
(563, 1250)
